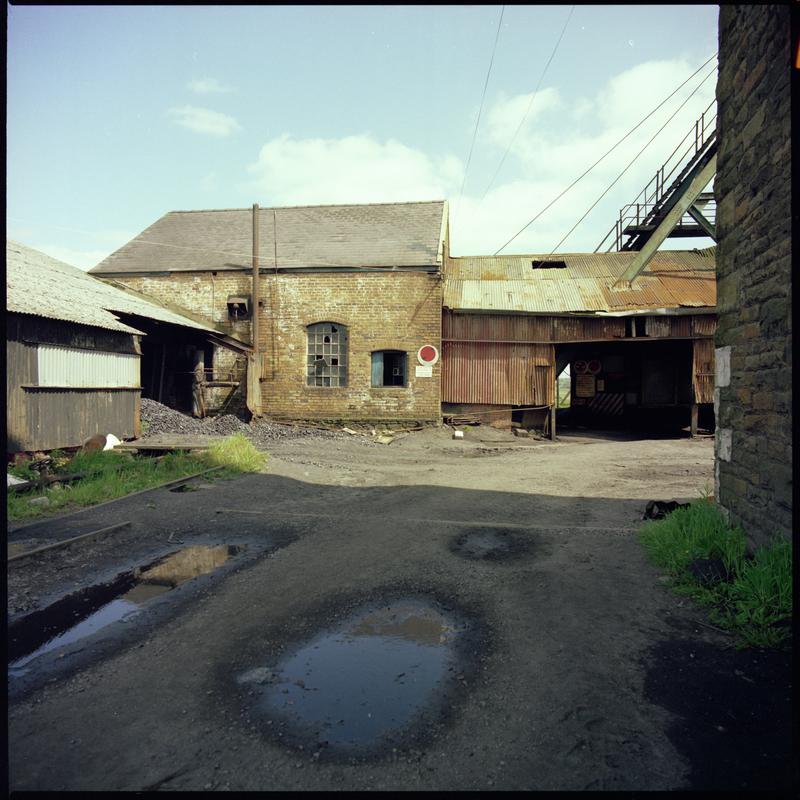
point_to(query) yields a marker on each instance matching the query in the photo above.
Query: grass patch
(237, 453)
(111, 474)
(756, 602)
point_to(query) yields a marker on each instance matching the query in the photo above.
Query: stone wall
(753, 469)
(382, 311)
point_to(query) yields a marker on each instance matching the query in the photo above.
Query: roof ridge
(317, 205)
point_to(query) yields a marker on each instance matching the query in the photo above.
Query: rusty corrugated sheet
(704, 325)
(703, 371)
(681, 326)
(498, 373)
(658, 326)
(673, 279)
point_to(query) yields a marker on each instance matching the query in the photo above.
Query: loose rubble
(159, 419)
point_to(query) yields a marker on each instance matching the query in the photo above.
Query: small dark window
(549, 264)
(238, 307)
(389, 368)
(641, 326)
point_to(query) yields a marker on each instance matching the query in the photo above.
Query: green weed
(756, 603)
(109, 474)
(237, 454)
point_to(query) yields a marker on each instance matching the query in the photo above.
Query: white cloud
(208, 86)
(355, 169)
(507, 113)
(204, 120)
(563, 141)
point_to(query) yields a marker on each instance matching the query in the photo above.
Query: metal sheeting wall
(703, 371)
(94, 369)
(67, 418)
(498, 373)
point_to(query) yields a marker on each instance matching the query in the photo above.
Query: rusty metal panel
(673, 279)
(681, 326)
(497, 373)
(703, 370)
(704, 325)
(658, 326)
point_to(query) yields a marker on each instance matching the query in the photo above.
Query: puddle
(489, 544)
(83, 613)
(363, 683)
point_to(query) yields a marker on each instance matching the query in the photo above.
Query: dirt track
(569, 682)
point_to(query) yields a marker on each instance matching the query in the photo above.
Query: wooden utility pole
(254, 359)
(254, 324)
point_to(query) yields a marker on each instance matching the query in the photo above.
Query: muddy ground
(580, 671)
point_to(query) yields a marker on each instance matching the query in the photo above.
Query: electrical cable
(633, 160)
(480, 109)
(607, 153)
(527, 110)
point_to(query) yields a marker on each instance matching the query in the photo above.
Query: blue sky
(117, 115)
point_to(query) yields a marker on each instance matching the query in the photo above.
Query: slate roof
(672, 279)
(46, 287)
(375, 235)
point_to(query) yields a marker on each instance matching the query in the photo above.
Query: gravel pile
(159, 419)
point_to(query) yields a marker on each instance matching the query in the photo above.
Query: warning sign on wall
(584, 386)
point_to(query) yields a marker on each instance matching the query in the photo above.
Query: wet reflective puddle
(489, 544)
(363, 683)
(83, 613)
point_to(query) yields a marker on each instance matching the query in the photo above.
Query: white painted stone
(724, 443)
(722, 360)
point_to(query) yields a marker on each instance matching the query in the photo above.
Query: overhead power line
(530, 105)
(480, 109)
(607, 153)
(633, 160)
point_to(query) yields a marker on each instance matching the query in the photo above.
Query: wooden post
(254, 312)
(253, 387)
(553, 423)
(693, 424)
(161, 379)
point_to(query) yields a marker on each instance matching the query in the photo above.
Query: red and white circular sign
(594, 366)
(427, 355)
(580, 367)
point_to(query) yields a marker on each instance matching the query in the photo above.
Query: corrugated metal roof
(375, 235)
(45, 287)
(672, 279)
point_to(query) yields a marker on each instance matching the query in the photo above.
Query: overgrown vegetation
(110, 474)
(238, 454)
(753, 599)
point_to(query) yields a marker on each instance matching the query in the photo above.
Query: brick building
(754, 348)
(347, 297)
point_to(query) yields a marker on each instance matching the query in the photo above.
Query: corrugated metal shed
(672, 279)
(42, 286)
(374, 235)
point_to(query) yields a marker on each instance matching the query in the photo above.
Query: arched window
(327, 354)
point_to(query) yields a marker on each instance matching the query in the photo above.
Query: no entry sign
(427, 355)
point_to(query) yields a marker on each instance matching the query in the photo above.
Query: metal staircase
(639, 220)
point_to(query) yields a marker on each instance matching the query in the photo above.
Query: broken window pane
(327, 355)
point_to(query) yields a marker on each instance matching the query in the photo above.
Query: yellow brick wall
(397, 311)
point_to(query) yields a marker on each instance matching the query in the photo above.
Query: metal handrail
(655, 190)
